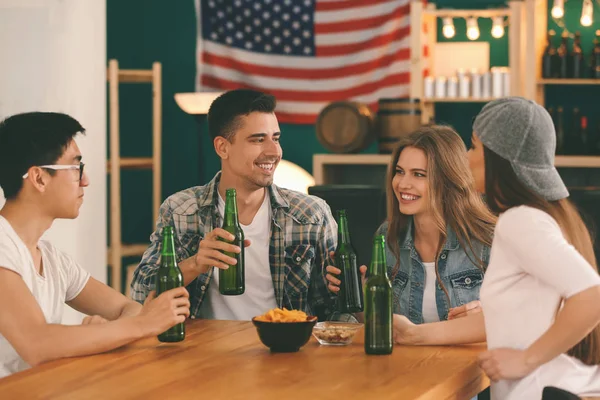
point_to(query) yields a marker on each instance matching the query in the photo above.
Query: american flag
(307, 53)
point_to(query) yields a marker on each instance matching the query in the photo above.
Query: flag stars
(248, 45)
(257, 38)
(306, 34)
(276, 24)
(305, 17)
(267, 31)
(247, 12)
(239, 35)
(257, 6)
(286, 17)
(268, 48)
(296, 10)
(276, 8)
(256, 22)
(238, 3)
(228, 40)
(248, 28)
(287, 49)
(276, 40)
(211, 4)
(307, 3)
(307, 50)
(297, 41)
(296, 25)
(266, 15)
(214, 35)
(286, 33)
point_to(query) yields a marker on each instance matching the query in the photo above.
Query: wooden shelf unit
(420, 14)
(115, 76)
(536, 23)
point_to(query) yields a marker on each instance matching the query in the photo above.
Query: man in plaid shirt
(289, 235)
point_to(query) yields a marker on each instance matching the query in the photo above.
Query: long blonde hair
(504, 190)
(453, 200)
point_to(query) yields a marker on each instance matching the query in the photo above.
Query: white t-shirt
(62, 280)
(430, 312)
(532, 267)
(259, 296)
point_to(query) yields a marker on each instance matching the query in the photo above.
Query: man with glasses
(43, 179)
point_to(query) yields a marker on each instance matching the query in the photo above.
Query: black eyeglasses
(61, 167)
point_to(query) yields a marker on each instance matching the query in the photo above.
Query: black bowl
(284, 337)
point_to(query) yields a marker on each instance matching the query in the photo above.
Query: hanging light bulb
(472, 28)
(558, 10)
(448, 30)
(498, 27)
(587, 13)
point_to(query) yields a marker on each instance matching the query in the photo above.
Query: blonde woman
(438, 230)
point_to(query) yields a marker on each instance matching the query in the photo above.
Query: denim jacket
(461, 276)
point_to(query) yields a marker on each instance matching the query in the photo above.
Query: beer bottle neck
(343, 231)
(378, 263)
(231, 211)
(167, 252)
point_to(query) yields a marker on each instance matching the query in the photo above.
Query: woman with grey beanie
(541, 292)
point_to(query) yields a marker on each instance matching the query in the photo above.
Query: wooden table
(226, 360)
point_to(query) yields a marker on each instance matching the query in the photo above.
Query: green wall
(143, 31)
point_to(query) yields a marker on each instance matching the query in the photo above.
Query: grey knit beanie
(522, 132)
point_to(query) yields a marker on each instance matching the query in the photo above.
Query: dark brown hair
(504, 190)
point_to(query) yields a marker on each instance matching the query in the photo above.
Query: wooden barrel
(396, 118)
(345, 127)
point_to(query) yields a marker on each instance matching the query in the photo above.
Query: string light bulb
(448, 29)
(498, 27)
(472, 28)
(587, 13)
(558, 9)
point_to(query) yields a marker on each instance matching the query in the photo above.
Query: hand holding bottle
(333, 283)
(210, 251)
(165, 311)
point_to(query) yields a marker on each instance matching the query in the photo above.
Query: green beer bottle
(169, 277)
(350, 296)
(378, 303)
(232, 281)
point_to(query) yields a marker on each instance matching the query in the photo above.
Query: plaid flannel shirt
(303, 232)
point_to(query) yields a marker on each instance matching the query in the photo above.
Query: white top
(430, 312)
(62, 280)
(532, 267)
(259, 296)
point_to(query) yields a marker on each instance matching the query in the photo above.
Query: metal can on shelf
(440, 87)
(497, 82)
(452, 90)
(464, 85)
(486, 85)
(506, 81)
(475, 84)
(428, 90)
